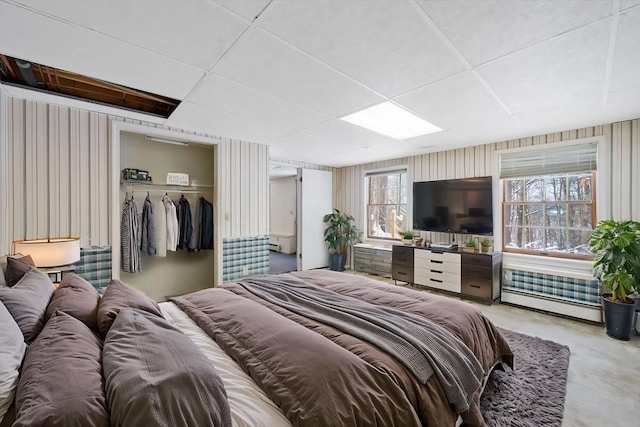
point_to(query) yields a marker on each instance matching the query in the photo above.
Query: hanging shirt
(160, 227)
(172, 223)
(130, 231)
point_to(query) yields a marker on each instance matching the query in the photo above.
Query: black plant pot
(618, 318)
(337, 261)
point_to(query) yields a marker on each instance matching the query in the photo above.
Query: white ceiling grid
(283, 72)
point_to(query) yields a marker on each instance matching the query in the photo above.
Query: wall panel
(59, 176)
(621, 196)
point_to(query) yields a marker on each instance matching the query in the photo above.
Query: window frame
(404, 174)
(505, 203)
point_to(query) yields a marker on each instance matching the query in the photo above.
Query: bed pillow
(27, 302)
(155, 375)
(16, 268)
(12, 348)
(3, 267)
(117, 296)
(61, 382)
(78, 298)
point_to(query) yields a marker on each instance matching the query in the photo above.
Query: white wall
(282, 206)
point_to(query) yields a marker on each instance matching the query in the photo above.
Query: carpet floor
(533, 393)
(281, 263)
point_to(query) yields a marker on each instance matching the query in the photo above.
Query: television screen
(462, 206)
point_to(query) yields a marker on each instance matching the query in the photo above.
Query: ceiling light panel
(390, 120)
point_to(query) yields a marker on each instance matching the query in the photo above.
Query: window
(553, 212)
(386, 204)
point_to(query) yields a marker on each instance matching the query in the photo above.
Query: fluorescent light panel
(390, 120)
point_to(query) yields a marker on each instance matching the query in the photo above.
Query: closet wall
(58, 177)
(180, 271)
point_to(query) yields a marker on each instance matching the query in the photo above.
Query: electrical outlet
(245, 270)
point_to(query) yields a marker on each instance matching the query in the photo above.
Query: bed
(264, 352)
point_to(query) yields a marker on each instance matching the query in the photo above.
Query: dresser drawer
(475, 271)
(437, 265)
(444, 257)
(479, 260)
(403, 255)
(402, 272)
(480, 288)
(451, 286)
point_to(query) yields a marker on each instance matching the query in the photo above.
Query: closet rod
(171, 190)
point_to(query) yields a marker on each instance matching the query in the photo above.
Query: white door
(315, 200)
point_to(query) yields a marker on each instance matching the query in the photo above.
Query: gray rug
(531, 395)
(281, 263)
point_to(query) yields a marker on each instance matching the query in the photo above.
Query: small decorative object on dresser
(407, 237)
(485, 244)
(471, 245)
(417, 241)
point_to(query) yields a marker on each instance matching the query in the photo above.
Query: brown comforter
(320, 376)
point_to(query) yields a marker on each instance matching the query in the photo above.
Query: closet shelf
(166, 188)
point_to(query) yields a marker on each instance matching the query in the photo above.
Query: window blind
(549, 161)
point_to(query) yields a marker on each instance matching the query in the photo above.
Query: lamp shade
(50, 252)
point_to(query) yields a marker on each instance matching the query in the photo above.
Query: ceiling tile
(221, 93)
(455, 101)
(221, 123)
(386, 45)
(59, 44)
(625, 69)
(485, 30)
(342, 132)
(305, 148)
(194, 32)
(439, 141)
(489, 131)
(264, 62)
(560, 70)
(574, 115)
(623, 105)
(626, 4)
(248, 9)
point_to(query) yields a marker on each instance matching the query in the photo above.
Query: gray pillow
(12, 348)
(117, 296)
(16, 268)
(155, 375)
(78, 298)
(61, 382)
(27, 302)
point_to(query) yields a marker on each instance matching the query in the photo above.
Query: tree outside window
(552, 214)
(386, 205)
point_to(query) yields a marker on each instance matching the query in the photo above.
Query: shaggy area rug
(533, 393)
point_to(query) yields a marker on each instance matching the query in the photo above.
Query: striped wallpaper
(58, 176)
(621, 198)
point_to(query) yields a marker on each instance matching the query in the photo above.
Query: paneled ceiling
(282, 73)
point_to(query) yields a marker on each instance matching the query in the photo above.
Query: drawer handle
(402, 260)
(436, 280)
(436, 271)
(402, 273)
(475, 286)
(474, 271)
(436, 262)
(476, 260)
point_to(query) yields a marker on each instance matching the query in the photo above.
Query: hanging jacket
(147, 240)
(206, 224)
(185, 224)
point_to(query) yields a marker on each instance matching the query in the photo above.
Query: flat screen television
(462, 206)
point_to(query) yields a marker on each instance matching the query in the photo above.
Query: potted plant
(471, 245)
(485, 244)
(407, 237)
(616, 264)
(340, 233)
